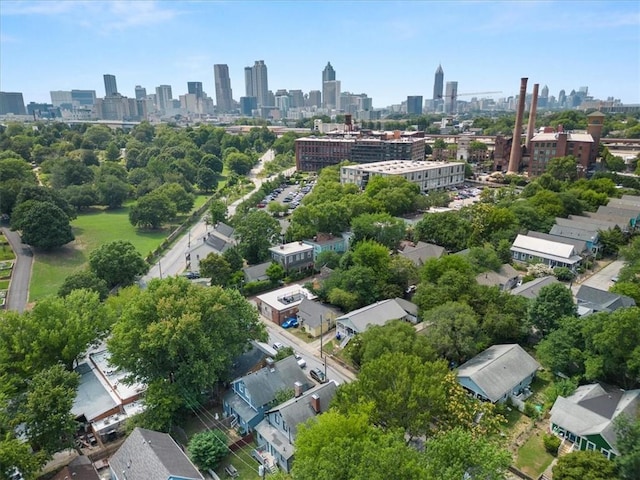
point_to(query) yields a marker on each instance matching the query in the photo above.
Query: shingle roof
(598, 223)
(532, 289)
(629, 212)
(501, 277)
(309, 311)
(574, 232)
(378, 313)
(147, 454)
(591, 410)
(256, 272)
(80, 468)
(601, 300)
(622, 222)
(224, 229)
(498, 369)
(266, 382)
(582, 225)
(421, 251)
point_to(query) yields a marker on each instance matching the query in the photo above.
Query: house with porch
(276, 434)
(585, 419)
(379, 313)
(315, 317)
(527, 249)
(499, 372)
(588, 234)
(325, 242)
(294, 256)
(250, 396)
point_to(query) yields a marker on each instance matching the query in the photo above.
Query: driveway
(19, 287)
(602, 278)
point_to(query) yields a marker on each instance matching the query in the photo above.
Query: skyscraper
(438, 83)
(331, 94)
(414, 105)
(12, 102)
(260, 83)
(328, 75)
(451, 97)
(164, 97)
(543, 100)
(83, 97)
(141, 92)
(110, 87)
(224, 94)
(315, 98)
(248, 82)
(195, 88)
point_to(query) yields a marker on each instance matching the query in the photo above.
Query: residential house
(605, 221)
(316, 317)
(554, 254)
(499, 372)
(294, 256)
(589, 235)
(378, 313)
(325, 242)
(147, 454)
(220, 239)
(586, 418)
(585, 223)
(410, 308)
(420, 252)
(283, 303)
(622, 222)
(506, 278)
(591, 300)
(532, 289)
(80, 468)
(580, 245)
(276, 434)
(256, 273)
(251, 396)
(620, 209)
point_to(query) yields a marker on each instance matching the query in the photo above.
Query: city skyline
(375, 47)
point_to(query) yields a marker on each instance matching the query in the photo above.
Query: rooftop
(571, 137)
(400, 166)
(286, 297)
(291, 248)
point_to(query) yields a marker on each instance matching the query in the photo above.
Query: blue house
(501, 371)
(325, 242)
(251, 396)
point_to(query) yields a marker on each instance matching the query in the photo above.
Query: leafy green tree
(239, 163)
(207, 179)
(81, 196)
(233, 256)
(282, 396)
(584, 465)
(484, 258)
(112, 191)
(218, 211)
(563, 349)
(117, 263)
(275, 272)
(256, 232)
(152, 210)
(283, 352)
(67, 172)
(457, 454)
(15, 453)
(381, 227)
(563, 168)
(217, 268)
(50, 425)
(84, 279)
(43, 194)
(628, 443)
(340, 446)
(181, 337)
(447, 229)
(208, 448)
(42, 224)
(112, 153)
(552, 303)
(328, 258)
(611, 240)
(97, 136)
(182, 199)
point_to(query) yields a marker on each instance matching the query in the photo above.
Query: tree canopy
(117, 263)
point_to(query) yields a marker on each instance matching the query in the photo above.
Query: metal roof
(532, 289)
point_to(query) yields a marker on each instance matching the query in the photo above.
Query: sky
(386, 49)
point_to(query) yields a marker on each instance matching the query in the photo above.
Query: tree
(347, 447)
(117, 263)
(84, 279)
(81, 196)
(50, 425)
(217, 268)
(15, 453)
(112, 191)
(234, 257)
(42, 224)
(112, 153)
(282, 396)
(447, 229)
(207, 448)
(182, 199)
(43, 194)
(628, 444)
(563, 168)
(256, 232)
(584, 465)
(275, 272)
(181, 337)
(553, 302)
(456, 454)
(152, 210)
(67, 172)
(207, 179)
(218, 211)
(239, 163)
(381, 227)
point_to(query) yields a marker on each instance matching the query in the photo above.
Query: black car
(318, 375)
(191, 275)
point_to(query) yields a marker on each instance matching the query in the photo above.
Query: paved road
(602, 278)
(19, 289)
(173, 262)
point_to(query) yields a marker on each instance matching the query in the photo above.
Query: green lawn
(246, 465)
(533, 459)
(4, 284)
(91, 230)
(6, 253)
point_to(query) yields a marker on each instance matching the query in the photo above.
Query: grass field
(533, 459)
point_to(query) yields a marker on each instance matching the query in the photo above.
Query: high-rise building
(331, 94)
(224, 94)
(260, 83)
(562, 98)
(543, 99)
(248, 105)
(315, 98)
(195, 88)
(451, 97)
(438, 84)
(60, 97)
(414, 105)
(296, 99)
(12, 102)
(141, 92)
(164, 97)
(110, 87)
(328, 75)
(248, 82)
(83, 97)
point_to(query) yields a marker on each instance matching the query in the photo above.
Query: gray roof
(499, 369)
(586, 224)
(420, 252)
(409, 307)
(309, 312)
(501, 277)
(622, 222)
(256, 272)
(620, 210)
(92, 399)
(147, 454)
(378, 313)
(80, 468)
(263, 385)
(601, 300)
(600, 224)
(224, 229)
(532, 289)
(588, 235)
(579, 245)
(591, 411)
(627, 203)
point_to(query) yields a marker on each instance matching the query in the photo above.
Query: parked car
(291, 322)
(318, 375)
(302, 362)
(277, 345)
(191, 275)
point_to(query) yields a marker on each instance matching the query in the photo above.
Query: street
(602, 278)
(18, 295)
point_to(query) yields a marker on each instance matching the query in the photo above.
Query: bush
(531, 411)
(252, 288)
(563, 274)
(551, 444)
(208, 448)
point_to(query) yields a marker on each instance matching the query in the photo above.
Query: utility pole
(321, 337)
(160, 269)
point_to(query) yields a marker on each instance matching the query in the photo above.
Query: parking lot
(290, 195)
(464, 196)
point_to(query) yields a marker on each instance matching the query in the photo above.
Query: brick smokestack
(516, 149)
(532, 115)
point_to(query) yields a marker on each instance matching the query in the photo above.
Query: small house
(316, 317)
